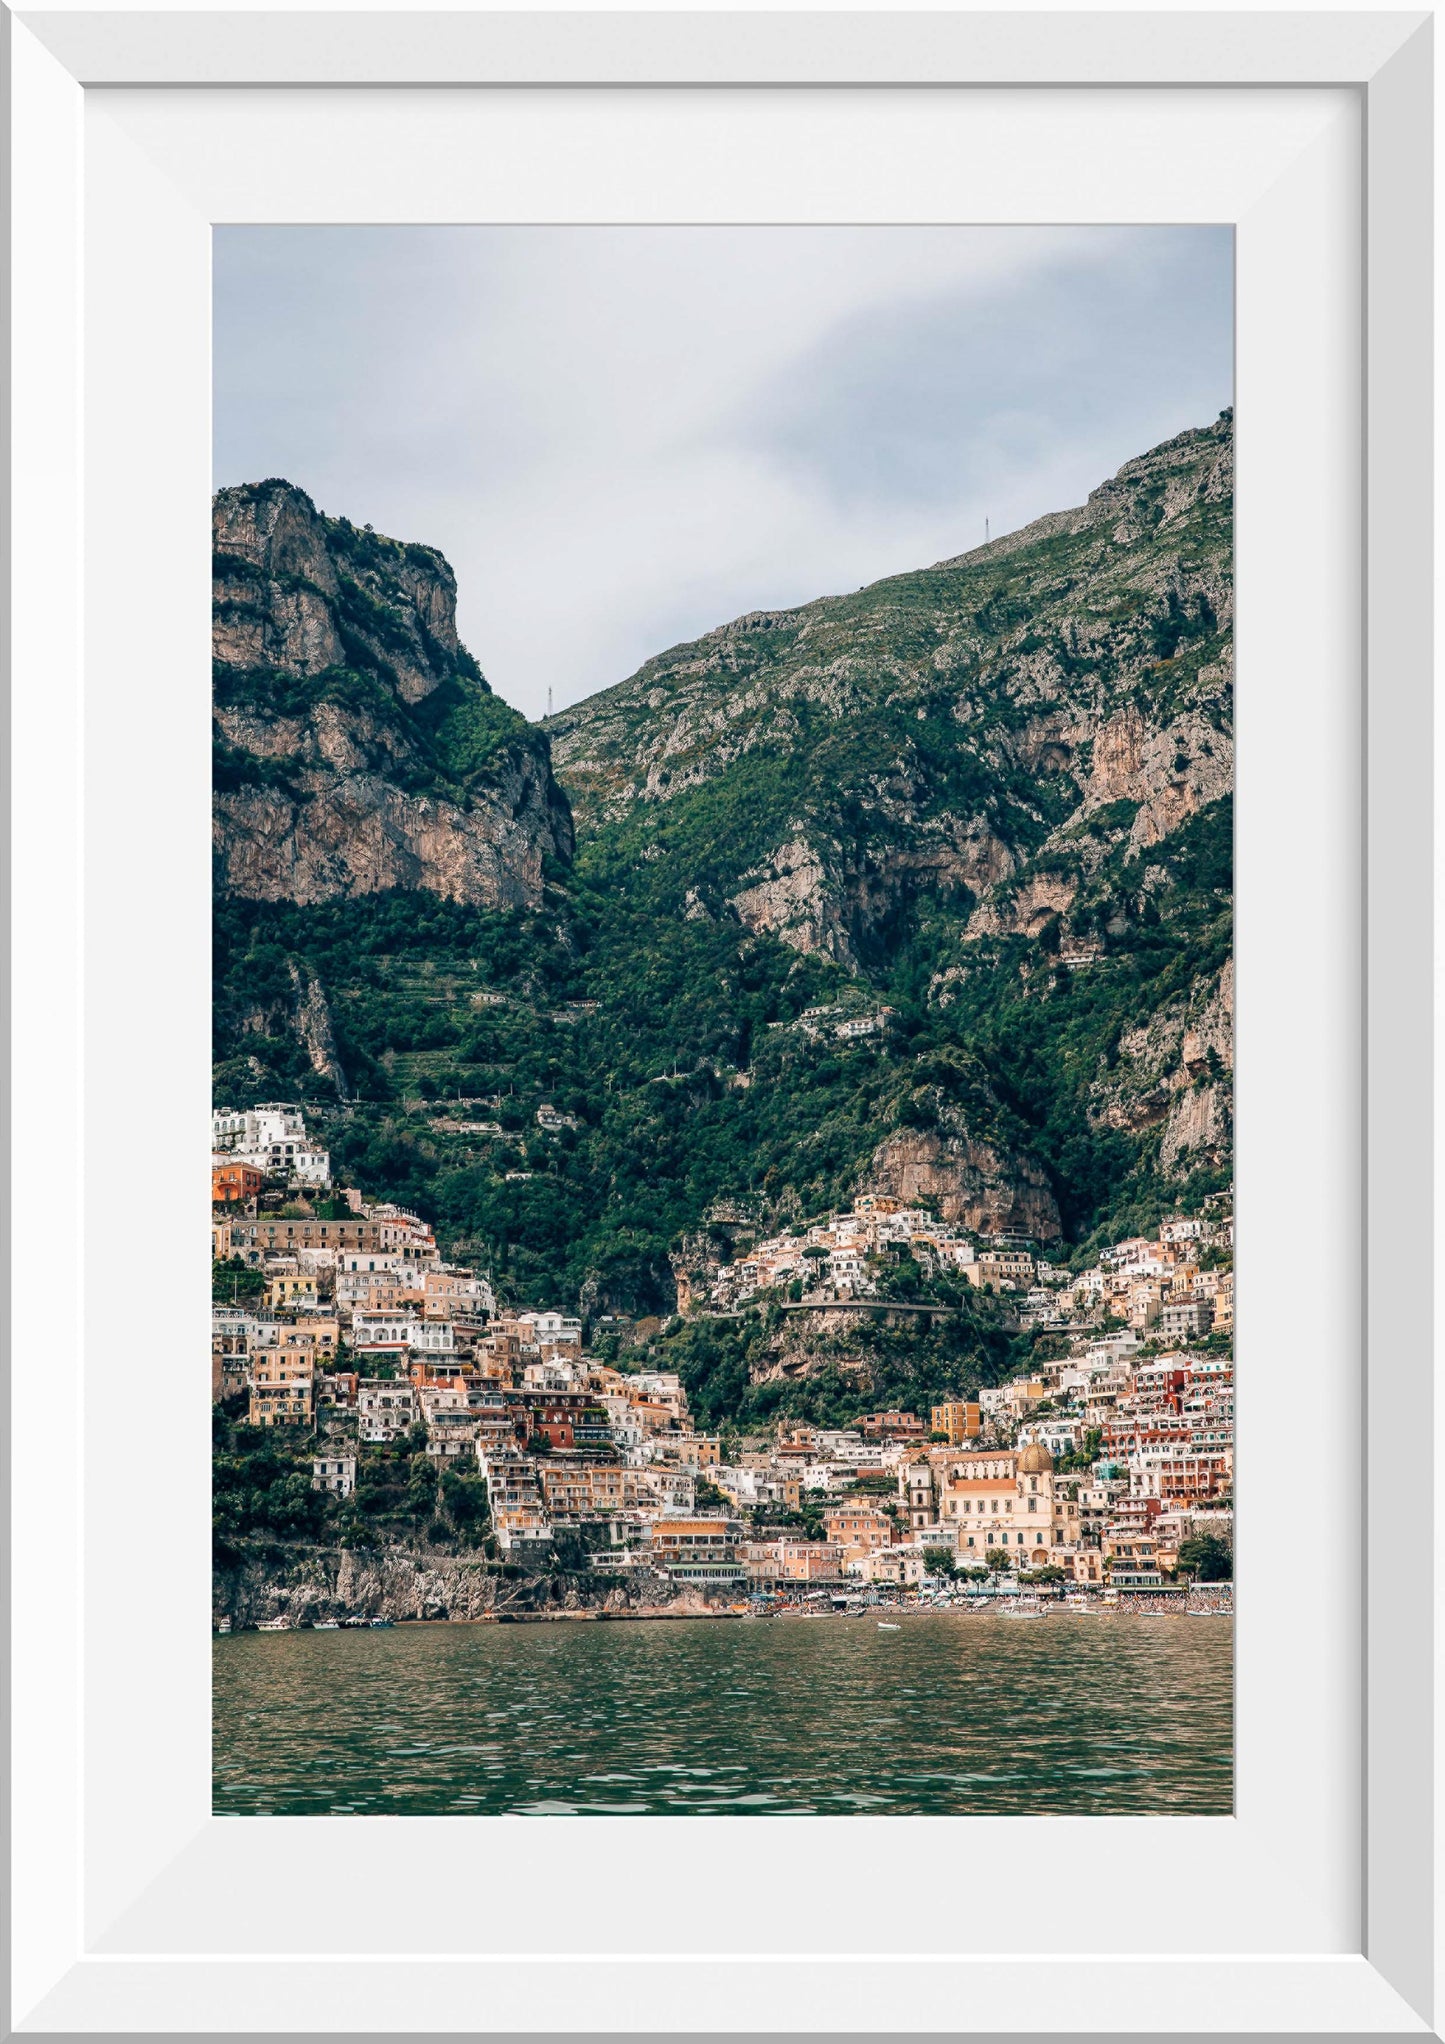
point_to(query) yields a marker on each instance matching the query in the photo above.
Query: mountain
(357, 746)
(924, 889)
(993, 725)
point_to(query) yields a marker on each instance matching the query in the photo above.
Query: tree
(234, 1281)
(999, 1561)
(1084, 1456)
(938, 1561)
(465, 1499)
(421, 1486)
(1207, 1559)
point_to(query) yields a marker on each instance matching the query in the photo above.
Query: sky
(621, 437)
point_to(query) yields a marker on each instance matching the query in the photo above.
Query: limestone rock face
(1170, 770)
(993, 726)
(357, 833)
(1026, 910)
(1176, 1074)
(979, 1185)
(302, 1585)
(313, 1026)
(347, 716)
(790, 898)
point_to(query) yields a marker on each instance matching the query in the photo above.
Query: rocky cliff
(304, 1584)
(925, 890)
(991, 727)
(975, 1184)
(358, 747)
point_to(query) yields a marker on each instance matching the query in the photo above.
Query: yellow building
(325, 1327)
(961, 1419)
(287, 1286)
(283, 1387)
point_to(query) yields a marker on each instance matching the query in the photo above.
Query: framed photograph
(702, 617)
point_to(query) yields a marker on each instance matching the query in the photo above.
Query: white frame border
(1388, 56)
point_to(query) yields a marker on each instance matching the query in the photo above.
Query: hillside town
(1103, 1472)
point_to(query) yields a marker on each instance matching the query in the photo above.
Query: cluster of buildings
(1099, 1464)
(844, 1023)
(258, 1144)
(1177, 1287)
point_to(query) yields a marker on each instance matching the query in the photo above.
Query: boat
(381, 1621)
(1076, 1601)
(325, 1625)
(223, 1625)
(1025, 1605)
(885, 1625)
(273, 1625)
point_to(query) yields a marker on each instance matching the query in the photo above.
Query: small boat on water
(325, 1625)
(223, 1625)
(1025, 1605)
(1076, 1601)
(886, 1625)
(273, 1625)
(381, 1621)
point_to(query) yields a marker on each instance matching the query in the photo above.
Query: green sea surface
(954, 1713)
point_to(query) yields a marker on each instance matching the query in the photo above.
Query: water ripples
(955, 1713)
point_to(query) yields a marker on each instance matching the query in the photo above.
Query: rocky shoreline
(305, 1585)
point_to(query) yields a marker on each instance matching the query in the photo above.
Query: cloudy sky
(621, 437)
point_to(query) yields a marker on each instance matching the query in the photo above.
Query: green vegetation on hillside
(691, 1081)
(990, 798)
(262, 1496)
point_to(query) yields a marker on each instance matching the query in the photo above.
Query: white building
(385, 1408)
(336, 1473)
(864, 1025)
(272, 1138)
(552, 1327)
(1059, 1436)
(1138, 1256)
(900, 1565)
(553, 1375)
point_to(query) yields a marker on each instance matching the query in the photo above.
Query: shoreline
(667, 1614)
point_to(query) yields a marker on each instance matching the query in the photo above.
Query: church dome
(1036, 1460)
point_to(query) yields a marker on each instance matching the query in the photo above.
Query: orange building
(232, 1183)
(677, 1542)
(961, 1420)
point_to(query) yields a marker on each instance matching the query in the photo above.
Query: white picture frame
(133, 1910)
